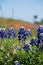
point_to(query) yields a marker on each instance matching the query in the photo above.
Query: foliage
(9, 54)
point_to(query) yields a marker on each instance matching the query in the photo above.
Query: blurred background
(16, 13)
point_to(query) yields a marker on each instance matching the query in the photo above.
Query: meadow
(9, 53)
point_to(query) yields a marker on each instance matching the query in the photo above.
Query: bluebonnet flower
(26, 47)
(0, 33)
(29, 32)
(14, 35)
(3, 33)
(21, 30)
(41, 37)
(10, 30)
(24, 36)
(11, 33)
(34, 41)
(16, 63)
(40, 29)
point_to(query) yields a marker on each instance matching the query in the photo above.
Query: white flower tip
(40, 26)
(34, 38)
(29, 30)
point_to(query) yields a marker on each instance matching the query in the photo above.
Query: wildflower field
(24, 51)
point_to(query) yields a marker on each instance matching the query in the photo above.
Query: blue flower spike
(40, 29)
(3, 33)
(21, 30)
(11, 33)
(41, 38)
(22, 34)
(34, 41)
(26, 47)
(40, 34)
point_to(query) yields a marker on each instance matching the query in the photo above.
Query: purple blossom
(34, 41)
(3, 33)
(40, 29)
(41, 37)
(11, 33)
(26, 47)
